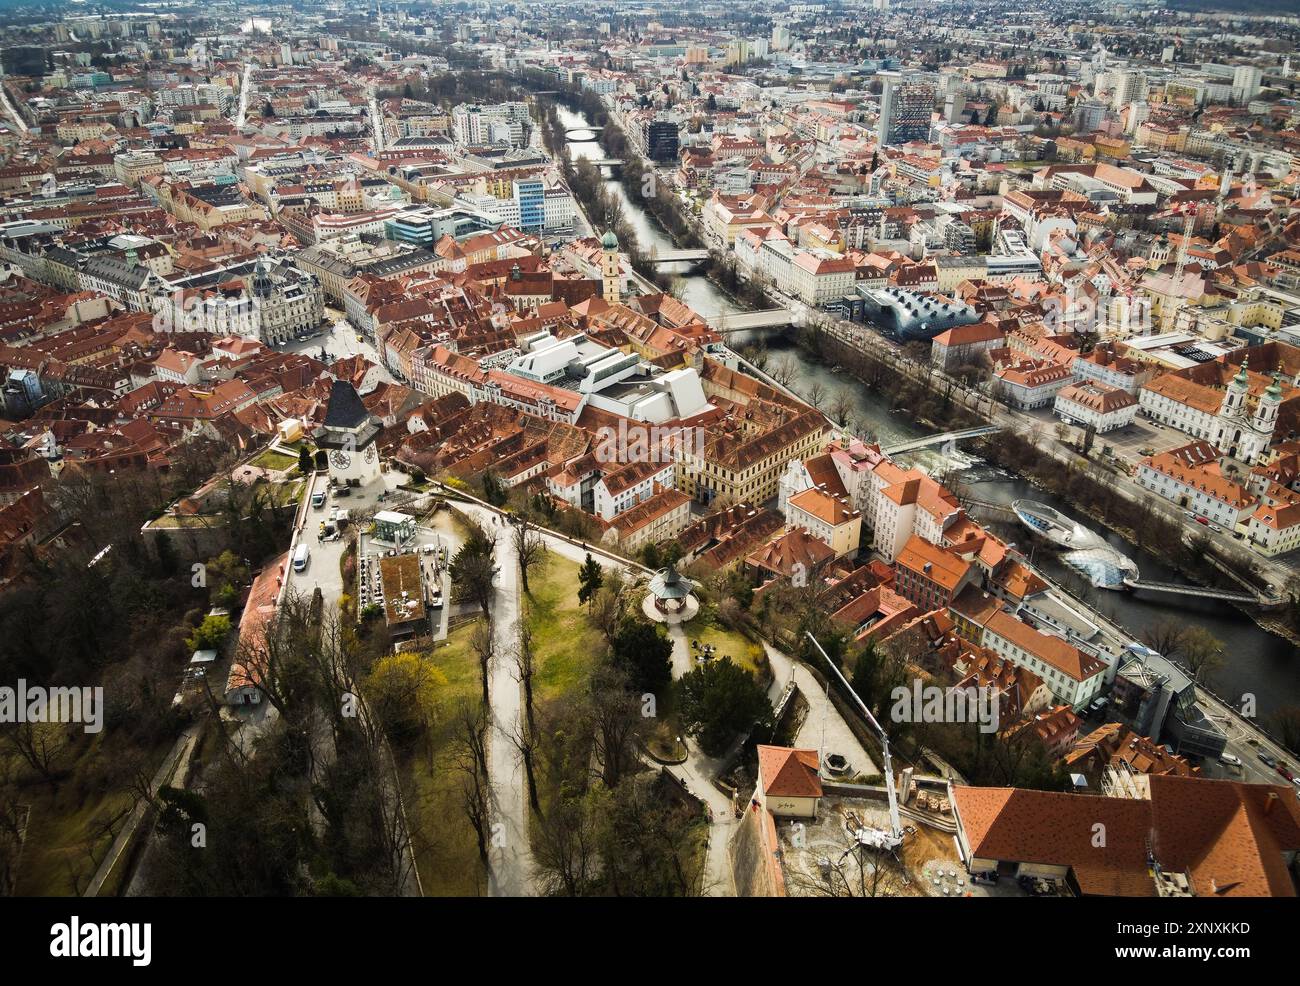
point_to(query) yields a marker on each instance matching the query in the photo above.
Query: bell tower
(610, 273)
(1234, 401)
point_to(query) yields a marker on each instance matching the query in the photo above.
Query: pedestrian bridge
(944, 439)
(678, 256)
(1205, 592)
(726, 322)
(582, 135)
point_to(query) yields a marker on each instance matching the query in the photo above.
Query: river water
(1255, 661)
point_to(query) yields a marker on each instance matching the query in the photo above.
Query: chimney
(1269, 801)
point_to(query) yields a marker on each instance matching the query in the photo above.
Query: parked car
(318, 500)
(1229, 759)
(1216, 528)
(1267, 760)
(1203, 520)
(1285, 771)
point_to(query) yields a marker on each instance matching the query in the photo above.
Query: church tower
(1255, 443)
(1266, 410)
(1234, 401)
(611, 275)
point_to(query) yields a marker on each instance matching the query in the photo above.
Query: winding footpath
(511, 858)
(512, 863)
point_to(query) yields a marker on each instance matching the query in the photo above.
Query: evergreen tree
(590, 579)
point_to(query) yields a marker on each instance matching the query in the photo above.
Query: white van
(301, 557)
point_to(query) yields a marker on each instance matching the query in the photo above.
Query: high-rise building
(1128, 86)
(780, 37)
(660, 140)
(1089, 116)
(905, 110)
(954, 105)
(531, 196)
(1245, 83)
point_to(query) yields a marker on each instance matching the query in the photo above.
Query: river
(1255, 661)
(699, 292)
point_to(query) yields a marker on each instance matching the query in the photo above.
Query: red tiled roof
(788, 773)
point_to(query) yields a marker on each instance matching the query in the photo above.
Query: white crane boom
(894, 837)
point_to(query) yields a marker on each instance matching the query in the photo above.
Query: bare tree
(841, 409)
(863, 873)
(530, 549)
(526, 666)
(481, 643)
(565, 848)
(607, 609)
(43, 746)
(615, 717)
(471, 761)
(783, 371)
(815, 394)
(525, 742)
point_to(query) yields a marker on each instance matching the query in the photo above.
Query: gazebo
(671, 598)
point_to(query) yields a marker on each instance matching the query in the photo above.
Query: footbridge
(1204, 592)
(726, 322)
(678, 256)
(944, 439)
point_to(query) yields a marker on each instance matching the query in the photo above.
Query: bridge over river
(931, 440)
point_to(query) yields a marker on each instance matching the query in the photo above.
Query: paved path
(167, 773)
(699, 770)
(511, 862)
(823, 727)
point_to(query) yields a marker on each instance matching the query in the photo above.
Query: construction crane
(889, 840)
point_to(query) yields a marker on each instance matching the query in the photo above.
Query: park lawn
(275, 461)
(728, 643)
(66, 833)
(565, 644)
(446, 851)
(285, 493)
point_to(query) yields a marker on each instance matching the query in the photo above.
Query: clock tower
(349, 436)
(611, 274)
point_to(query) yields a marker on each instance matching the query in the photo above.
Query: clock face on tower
(370, 453)
(340, 459)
